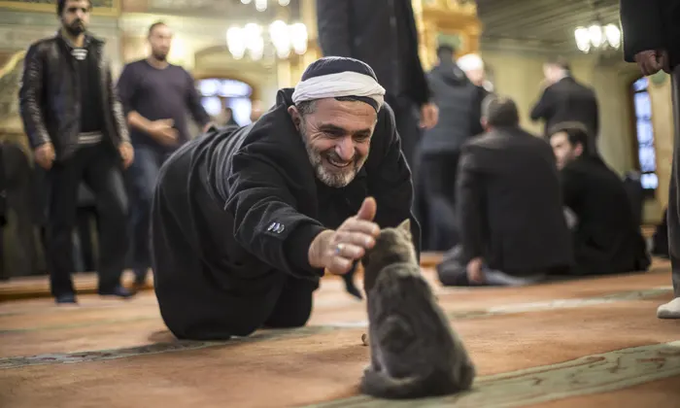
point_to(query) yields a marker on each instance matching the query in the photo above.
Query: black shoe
(118, 291)
(66, 298)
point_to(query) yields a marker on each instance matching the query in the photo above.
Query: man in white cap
(245, 222)
(473, 66)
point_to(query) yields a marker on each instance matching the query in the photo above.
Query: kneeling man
(607, 238)
(244, 222)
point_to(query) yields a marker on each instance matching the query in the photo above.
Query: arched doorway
(217, 94)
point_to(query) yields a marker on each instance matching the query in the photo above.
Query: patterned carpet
(594, 342)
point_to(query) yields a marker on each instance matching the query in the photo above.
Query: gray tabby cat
(414, 351)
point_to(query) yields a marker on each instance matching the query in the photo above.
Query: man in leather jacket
(75, 125)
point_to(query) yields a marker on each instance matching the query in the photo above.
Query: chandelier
(261, 5)
(597, 37)
(283, 38)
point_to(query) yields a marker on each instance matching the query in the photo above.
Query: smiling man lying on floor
(244, 223)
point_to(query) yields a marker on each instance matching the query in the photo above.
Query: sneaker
(670, 310)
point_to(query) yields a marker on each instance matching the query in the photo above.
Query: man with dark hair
(156, 96)
(651, 38)
(245, 221)
(75, 125)
(607, 239)
(564, 99)
(513, 231)
(439, 147)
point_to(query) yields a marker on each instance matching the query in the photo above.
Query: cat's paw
(364, 339)
(368, 369)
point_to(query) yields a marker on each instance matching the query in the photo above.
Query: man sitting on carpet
(513, 231)
(244, 222)
(607, 238)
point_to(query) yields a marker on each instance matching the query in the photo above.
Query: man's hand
(208, 126)
(429, 116)
(163, 131)
(127, 153)
(474, 271)
(337, 250)
(652, 61)
(44, 155)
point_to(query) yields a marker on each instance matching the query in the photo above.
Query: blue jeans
(141, 179)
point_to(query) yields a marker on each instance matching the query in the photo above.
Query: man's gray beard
(331, 179)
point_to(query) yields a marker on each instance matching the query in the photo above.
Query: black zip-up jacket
(49, 97)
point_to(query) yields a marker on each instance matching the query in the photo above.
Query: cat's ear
(405, 226)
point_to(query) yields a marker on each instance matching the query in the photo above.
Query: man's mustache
(336, 157)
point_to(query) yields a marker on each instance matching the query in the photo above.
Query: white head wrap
(470, 62)
(346, 83)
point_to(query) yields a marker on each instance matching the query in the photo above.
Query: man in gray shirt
(156, 96)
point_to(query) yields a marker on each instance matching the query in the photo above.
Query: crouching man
(245, 222)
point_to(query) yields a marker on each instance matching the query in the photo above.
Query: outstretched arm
(266, 221)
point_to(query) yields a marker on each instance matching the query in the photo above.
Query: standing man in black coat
(607, 238)
(513, 230)
(245, 221)
(76, 128)
(651, 38)
(566, 100)
(383, 34)
(440, 146)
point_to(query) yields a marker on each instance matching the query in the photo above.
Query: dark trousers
(100, 168)
(289, 306)
(86, 251)
(2, 253)
(141, 179)
(673, 212)
(438, 175)
(453, 272)
(660, 238)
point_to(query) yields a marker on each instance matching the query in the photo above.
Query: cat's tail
(379, 385)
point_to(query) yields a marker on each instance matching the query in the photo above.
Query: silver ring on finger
(339, 248)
